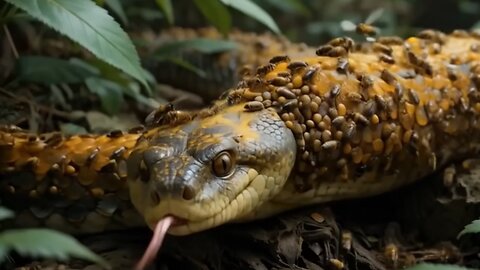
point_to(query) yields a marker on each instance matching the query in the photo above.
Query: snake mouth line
(171, 223)
(242, 203)
(177, 221)
(183, 226)
(164, 225)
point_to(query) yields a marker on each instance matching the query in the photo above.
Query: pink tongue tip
(156, 242)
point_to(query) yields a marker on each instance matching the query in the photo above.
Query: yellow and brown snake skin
(352, 121)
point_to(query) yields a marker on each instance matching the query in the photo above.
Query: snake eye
(223, 164)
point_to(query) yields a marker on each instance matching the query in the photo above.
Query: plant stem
(39, 107)
(10, 41)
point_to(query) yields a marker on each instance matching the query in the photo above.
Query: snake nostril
(188, 193)
(155, 197)
(144, 172)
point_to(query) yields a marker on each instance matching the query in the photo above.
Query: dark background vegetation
(315, 21)
(310, 21)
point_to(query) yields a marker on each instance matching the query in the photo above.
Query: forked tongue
(156, 242)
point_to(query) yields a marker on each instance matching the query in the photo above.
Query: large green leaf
(473, 227)
(91, 26)
(5, 213)
(251, 9)
(47, 70)
(216, 14)
(167, 9)
(46, 243)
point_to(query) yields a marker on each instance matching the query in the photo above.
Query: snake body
(352, 121)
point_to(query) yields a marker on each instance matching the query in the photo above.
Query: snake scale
(354, 120)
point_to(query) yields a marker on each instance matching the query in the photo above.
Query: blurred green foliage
(314, 21)
(43, 243)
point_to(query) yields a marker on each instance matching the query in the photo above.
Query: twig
(10, 41)
(62, 114)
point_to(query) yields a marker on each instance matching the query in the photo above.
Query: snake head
(211, 170)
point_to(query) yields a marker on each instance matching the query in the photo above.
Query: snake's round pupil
(222, 164)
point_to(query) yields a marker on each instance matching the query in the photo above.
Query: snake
(350, 121)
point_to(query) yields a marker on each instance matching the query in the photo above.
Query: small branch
(10, 41)
(39, 107)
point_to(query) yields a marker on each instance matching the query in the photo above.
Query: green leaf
(146, 14)
(430, 266)
(475, 26)
(473, 227)
(117, 7)
(5, 213)
(3, 253)
(133, 91)
(47, 243)
(91, 26)
(168, 51)
(110, 94)
(252, 10)
(203, 45)
(109, 72)
(47, 70)
(167, 9)
(291, 6)
(149, 77)
(186, 65)
(82, 63)
(216, 14)
(71, 129)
